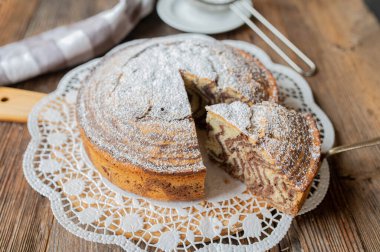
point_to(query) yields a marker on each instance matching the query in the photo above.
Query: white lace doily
(87, 205)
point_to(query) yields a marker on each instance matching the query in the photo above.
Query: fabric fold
(72, 44)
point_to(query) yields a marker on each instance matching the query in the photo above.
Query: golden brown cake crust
(316, 141)
(135, 179)
(136, 120)
(267, 79)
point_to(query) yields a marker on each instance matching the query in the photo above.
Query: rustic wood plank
(27, 221)
(14, 19)
(341, 36)
(347, 88)
(24, 214)
(62, 240)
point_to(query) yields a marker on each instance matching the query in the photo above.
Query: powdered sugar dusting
(237, 113)
(134, 105)
(287, 137)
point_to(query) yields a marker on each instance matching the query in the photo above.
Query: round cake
(136, 110)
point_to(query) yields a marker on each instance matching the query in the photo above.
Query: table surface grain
(343, 38)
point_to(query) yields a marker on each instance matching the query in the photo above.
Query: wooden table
(343, 38)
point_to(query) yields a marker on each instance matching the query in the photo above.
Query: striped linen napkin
(70, 45)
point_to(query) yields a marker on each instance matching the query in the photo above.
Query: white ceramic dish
(190, 16)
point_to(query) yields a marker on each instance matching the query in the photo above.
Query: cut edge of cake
(230, 143)
(116, 167)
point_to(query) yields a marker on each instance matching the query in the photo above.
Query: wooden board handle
(16, 104)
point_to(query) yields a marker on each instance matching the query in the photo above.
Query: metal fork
(344, 148)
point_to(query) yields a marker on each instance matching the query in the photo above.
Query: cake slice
(274, 150)
(137, 121)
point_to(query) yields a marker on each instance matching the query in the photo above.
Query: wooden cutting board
(16, 104)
